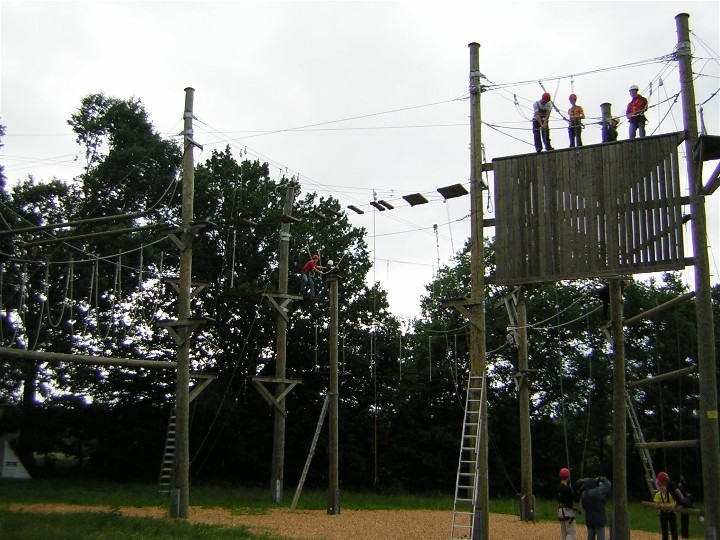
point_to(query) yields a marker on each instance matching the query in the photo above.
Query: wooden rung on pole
(678, 509)
(658, 445)
(670, 375)
(659, 309)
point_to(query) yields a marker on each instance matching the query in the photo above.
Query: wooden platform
(597, 211)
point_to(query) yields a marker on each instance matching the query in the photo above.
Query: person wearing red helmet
(665, 503)
(567, 498)
(668, 496)
(309, 268)
(541, 122)
(575, 117)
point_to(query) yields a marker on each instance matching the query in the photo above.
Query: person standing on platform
(635, 112)
(575, 117)
(541, 123)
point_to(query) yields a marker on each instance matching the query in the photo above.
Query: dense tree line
(401, 388)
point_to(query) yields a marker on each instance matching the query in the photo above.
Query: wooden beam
(713, 183)
(42, 356)
(659, 309)
(658, 445)
(670, 375)
(678, 509)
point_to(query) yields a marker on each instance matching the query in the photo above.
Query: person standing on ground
(541, 123)
(665, 505)
(594, 494)
(566, 497)
(687, 503)
(635, 112)
(575, 117)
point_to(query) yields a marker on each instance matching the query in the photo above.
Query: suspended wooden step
(415, 198)
(318, 215)
(283, 218)
(658, 445)
(355, 209)
(241, 222)
(386, 204)
(450, 192)
(378, 206)
(670, 375)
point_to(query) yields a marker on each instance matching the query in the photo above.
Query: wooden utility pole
(709, 437)
(477, 280)
(278, 456)
(333, 500)
(180, 492)
(621, 520)
(527, 509)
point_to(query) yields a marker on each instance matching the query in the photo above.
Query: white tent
(10, 466)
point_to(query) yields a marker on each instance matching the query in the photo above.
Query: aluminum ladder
(645, 456)
(465, 505)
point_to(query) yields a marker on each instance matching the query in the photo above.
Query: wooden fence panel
(595, 211)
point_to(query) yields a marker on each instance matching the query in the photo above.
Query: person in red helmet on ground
(311, 267)
(567, 498)
(575, 117)
(667, 489)
(541, 122)
(665, 504)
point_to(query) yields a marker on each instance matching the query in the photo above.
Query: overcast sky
(354, 98)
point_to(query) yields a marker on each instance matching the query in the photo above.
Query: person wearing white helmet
(635, 112)
(330, 269)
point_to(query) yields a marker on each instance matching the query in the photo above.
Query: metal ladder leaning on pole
(645, 456)
(465, 506)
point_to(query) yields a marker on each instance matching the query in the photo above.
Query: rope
(562, 391)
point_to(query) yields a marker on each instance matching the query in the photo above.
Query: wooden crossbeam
(658, 445)
(463, 305)
(713, 183)
(678, 509)
(42, 356)
(670, 375)
(659, 309)
(207, 379)
(275, 401)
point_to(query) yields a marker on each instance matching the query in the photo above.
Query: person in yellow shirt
(575, 117)
(665, 504)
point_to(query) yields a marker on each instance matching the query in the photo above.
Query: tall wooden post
(527, 509)
(621, 520)
(333, 500)
(477, 280)
(709, 438)
(278, 456)
(180, 492)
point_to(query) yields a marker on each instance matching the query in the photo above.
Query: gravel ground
(349, 524)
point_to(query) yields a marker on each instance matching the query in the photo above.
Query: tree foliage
(402, 388)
